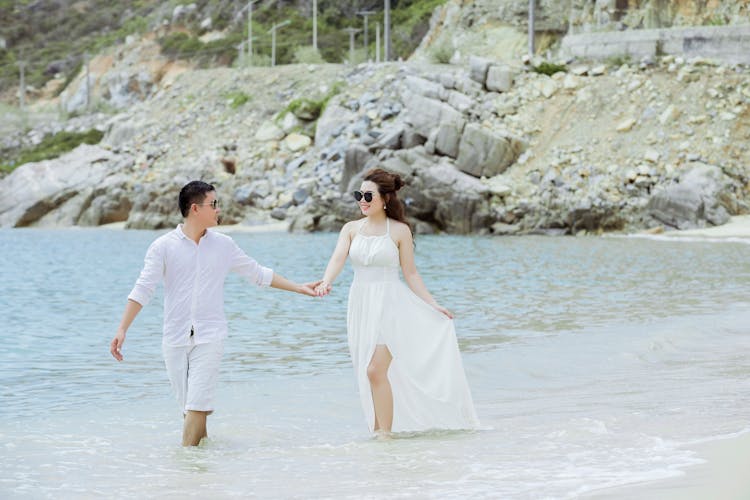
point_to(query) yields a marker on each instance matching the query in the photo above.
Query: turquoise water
(593, 363)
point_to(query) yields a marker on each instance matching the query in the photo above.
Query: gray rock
(424, 87)
(355, 159)
(448, 137)
(478, 68)
(499, 78)
(484, 153)
(65, 185)
(120, 132)
(389, 139)
(389, 111)
(411, 139)
(302, 222)
(693, 201)
(278, 213)
(460, 101)
(300, 196)
(182, 12)
(429, 146)
(243, 195)
(502, 229)
(424, 114)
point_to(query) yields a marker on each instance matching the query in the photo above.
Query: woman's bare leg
(382, 397)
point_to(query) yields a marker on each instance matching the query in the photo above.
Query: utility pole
(273, 40)
(365, 13)
(315, 24)
(387, 31)
(377, 43)
(250, 31)
(532, 7)
(22, 89)
(352, 32)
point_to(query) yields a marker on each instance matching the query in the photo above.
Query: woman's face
(367, 189)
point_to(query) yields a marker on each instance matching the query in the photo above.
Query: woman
(402, 343)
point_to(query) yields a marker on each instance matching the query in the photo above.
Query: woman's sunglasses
(367, 195)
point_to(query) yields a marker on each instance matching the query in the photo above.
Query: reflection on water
(592, 362)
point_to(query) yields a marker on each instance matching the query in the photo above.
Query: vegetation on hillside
(52, 146)
(53, 36)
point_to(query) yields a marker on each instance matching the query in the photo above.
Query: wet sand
(737, 227)
(723, 476)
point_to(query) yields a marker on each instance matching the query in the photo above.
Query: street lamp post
(250, 31)
(532, 7)
(352, 32)
(273, 40)
(315, 24)
(365, 13)
(387, 31)
(377, 43)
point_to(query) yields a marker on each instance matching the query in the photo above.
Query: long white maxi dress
(427, 377)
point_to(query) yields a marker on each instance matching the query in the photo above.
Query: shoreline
(228, 228)
(723, 475)
(738, 227)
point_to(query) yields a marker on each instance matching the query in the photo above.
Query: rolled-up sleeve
(248, 268)
(151, 275)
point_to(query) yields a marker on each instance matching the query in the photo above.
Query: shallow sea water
(593, 362)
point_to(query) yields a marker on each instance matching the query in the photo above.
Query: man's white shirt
(193, 276)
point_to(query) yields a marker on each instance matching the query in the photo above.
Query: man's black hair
(193, 192)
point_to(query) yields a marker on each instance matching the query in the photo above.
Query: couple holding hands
(402, 342)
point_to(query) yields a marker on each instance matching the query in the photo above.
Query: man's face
(208, 212)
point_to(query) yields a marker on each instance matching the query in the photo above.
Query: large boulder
(499, 78)
(695, 200)
(60, 191)
(155, 206)
(424, 114)
(355, 160)
(439, 194)
(448, 138)
(483, 153)
(478, 67)
(332, 122)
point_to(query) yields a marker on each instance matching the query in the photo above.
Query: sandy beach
(723, 476)
(737, 227)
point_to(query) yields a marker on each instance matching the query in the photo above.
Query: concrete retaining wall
(726, 43)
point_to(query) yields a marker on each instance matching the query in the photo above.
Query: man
(193, 262)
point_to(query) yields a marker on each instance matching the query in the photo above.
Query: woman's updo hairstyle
(388, 184)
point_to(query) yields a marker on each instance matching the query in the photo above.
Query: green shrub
(549, 69)
(180, 45)
(308, 55)
(618, 60)
(442, 52)
(237, 99)
(717, 20)
(53, 146)
(310, 109)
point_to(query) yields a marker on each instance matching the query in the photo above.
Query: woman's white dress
(427, 377)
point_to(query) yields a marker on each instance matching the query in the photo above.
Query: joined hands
(323, 288)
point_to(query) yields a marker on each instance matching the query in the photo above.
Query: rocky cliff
(485, 146)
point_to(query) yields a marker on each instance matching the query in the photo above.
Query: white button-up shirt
(194, 277)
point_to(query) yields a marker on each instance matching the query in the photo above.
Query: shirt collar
(183, 236)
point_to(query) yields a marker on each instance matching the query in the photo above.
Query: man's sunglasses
(213, 204)
(367, 195)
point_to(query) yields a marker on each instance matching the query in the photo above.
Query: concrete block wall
(730, 44)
